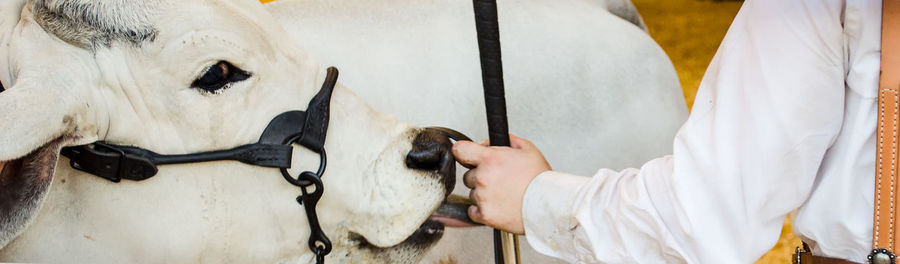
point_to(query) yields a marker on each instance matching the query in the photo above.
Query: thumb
(468, 153)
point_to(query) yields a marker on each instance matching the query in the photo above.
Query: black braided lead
(488, 29)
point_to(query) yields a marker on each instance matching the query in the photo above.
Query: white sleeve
(770, 105)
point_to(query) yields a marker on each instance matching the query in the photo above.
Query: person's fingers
(469, 178)
(472, 197)
(1, 165)
(475, 214)
(468, 153)
(486, 142)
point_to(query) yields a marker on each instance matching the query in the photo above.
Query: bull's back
(587, 87)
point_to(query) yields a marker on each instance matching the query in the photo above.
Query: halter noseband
(274, 150)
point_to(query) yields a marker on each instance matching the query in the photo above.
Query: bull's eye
(219, 76)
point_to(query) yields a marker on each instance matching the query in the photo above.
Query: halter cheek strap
(273, 150)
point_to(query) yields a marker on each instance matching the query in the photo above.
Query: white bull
(585, 82)
(590, 88)
(180, 77)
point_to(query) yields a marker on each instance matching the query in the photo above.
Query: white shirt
(784, 121)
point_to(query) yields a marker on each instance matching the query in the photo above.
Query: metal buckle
(799, 253)
(98, 159)
(109, 162)
(881, 256)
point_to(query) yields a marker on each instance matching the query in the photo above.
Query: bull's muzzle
(431, 152)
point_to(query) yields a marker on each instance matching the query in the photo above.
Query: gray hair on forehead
(90, 24)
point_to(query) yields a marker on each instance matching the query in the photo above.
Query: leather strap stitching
(892, 124)
(879, 174)
(893, 167)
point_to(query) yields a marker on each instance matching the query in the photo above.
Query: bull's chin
(410, 250)
(451, 213)
(428, 233)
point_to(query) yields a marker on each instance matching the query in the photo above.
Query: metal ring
(323, 160)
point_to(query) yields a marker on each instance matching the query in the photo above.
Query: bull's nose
(431, 152)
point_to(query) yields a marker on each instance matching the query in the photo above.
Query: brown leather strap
(808, 258)
(888, 154)
(802, 255)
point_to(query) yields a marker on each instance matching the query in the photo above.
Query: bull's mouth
(453, 212)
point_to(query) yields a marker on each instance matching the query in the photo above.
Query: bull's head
(180, 77)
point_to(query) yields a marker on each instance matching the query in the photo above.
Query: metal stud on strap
(881, 256)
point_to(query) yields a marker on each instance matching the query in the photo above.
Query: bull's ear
(10, 12)
(30, 117)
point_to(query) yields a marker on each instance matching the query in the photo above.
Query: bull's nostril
(427, 157)
(431, 152)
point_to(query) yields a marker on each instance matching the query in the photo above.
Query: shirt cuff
(547, 213)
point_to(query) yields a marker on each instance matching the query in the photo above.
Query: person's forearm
(608, 218)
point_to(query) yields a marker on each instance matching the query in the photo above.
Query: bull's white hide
(588, 88)
(71, 90)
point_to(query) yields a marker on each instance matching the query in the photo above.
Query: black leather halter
(115, 162)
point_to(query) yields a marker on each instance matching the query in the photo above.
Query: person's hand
(498, 177)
